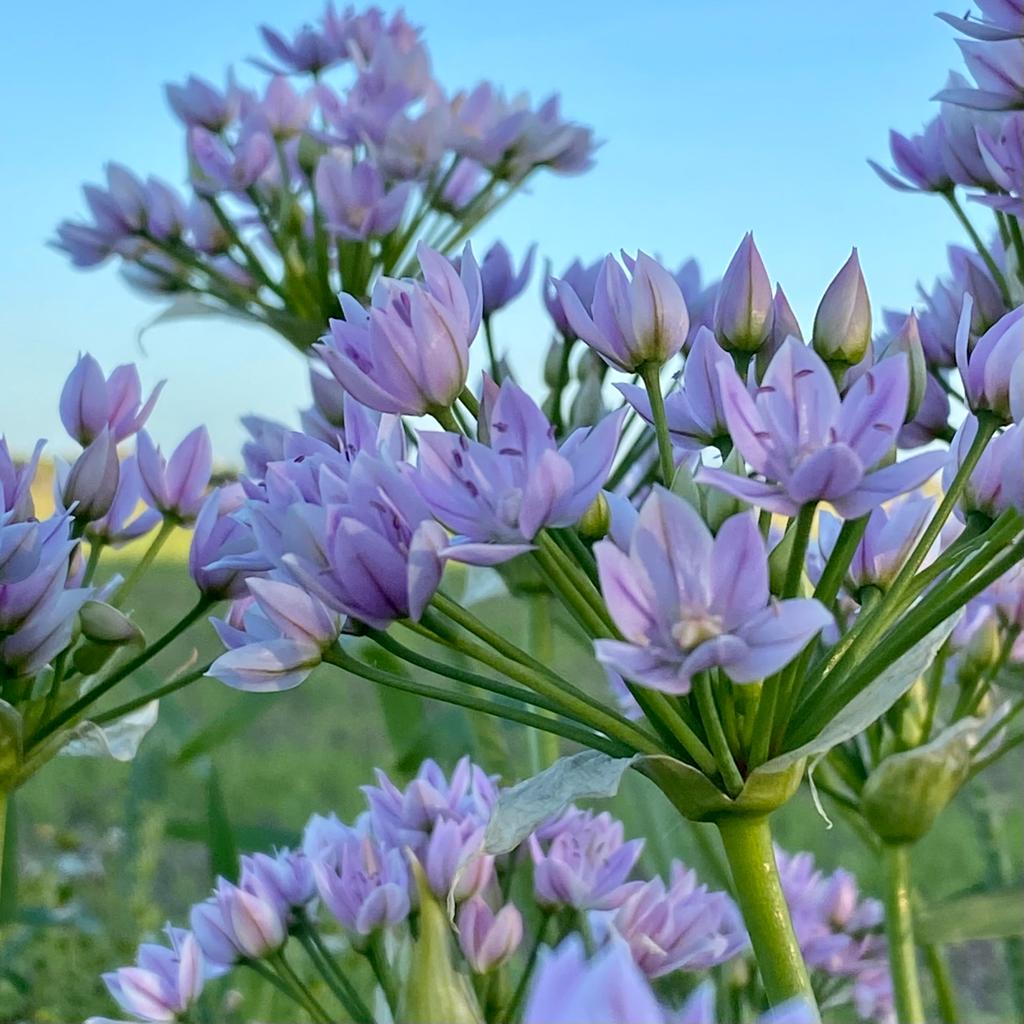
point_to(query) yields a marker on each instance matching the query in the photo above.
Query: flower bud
(554, 372)
(743, 307)
(784, 325)
(908, 341)
(596, 520)
(685, 487)
(488, 939)
(92, 482)
(906, 792)
(434, 990)
(842, 324)
(991, 368)
(718, 504)
(587, 405)
(982, 652)
(106, 630)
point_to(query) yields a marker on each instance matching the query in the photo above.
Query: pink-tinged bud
(91, 483)
(991, 368)
(908, 341)
(784, 325)
(176, 486)
(89, 401)
(842, 325)
(235, 924)
(743, 306)
(487, 939)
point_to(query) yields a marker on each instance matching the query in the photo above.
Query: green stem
(72, 711)
(798, 552)
(375, 954)
(167, 527)
(280, 984)
(161, 691)
(716, 734)
(650, 374)
(990, 263)
(8, 855)
(531, 961)
(313, 1007)
(542, 747)
(899, 927)
(342, 988)
(942, 982)
(492, 353)
(91, 565)
(446, 418)
(748, 848)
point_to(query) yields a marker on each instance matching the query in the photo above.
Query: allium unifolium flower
(686, 601)
(907, 340)
(16, 482)
(581, 860)
(842, 324)
(409, 353)
(997, 482)
(992, 369)
(743, 304)
(695, 412)
(176, 486)
(222, 545)
(19, 549)
(365, 885)
(283, 635)
(356, 204)
(919, 160)
(238, 924)
(488, 939)
(680, 926)
(811, 446)
(962, 151)
(90, 401)
(569, 989)
(499, 280)
(453, 860)
(996, 65)
(889, 537)
(633, 321)
(123, 522)
(165, 982)
(197, 102)
(89, 485)
(498, 496)
(582, 279)
(219, 167)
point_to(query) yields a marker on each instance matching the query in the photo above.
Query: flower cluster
(322, 176)
(362, 877)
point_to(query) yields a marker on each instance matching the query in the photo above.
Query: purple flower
(16, 482)
(283, 112)
(972, 276)
(376, 555)
(743, 302)
(226, 169)
(888, 539)
(1003, 153)
(365, 884)
(1001, 19)
(453, 859)
(237, 924)
(121, 524)
(809, 445)
(687, 602)
(19, 550)
(285, 879)
(409, 353)
(931, 420)
(89, 401)
(695, 412)
(918, 159)
(176, 486)
(488, 939)
(221, 537)
(679, 927)
(992, 369)
(609, 989)
(997, 482)
(842, 324)
(406, 818)
(309, 51)
(699, 1008)
(164, 983)
(699, 296)
(997, 66)
(497, 497)
(282, 639)
(963, 155)
(198, 103)
(633, 321)
(89, 485)
(582, 861)
(355, 202)
(498, 278)
(581, 279)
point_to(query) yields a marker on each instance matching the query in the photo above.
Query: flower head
(992, 369)
(238, 924)
(686, 601)
(355, 202)
(811, 446)
(176, 486)
(500, 281)
(488, 939)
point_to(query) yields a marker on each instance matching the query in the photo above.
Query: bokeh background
(718, 117)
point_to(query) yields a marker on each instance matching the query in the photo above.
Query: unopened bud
(596, 520)
(842, 325)
(908, 342)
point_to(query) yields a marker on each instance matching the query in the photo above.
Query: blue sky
(718, 116)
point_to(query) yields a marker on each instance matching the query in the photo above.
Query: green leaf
(977, 915)
(519, 810)
(872, 702)
(220, 837)
(8, 858)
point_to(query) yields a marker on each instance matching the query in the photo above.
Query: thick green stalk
(650, 374)
(899, 927)
(4, 854)
(336, 981)
(748, 848)
(942, 982)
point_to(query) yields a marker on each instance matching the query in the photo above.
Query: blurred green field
(119, 848)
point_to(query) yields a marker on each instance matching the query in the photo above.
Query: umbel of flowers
(404, 915)
(320, 177)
